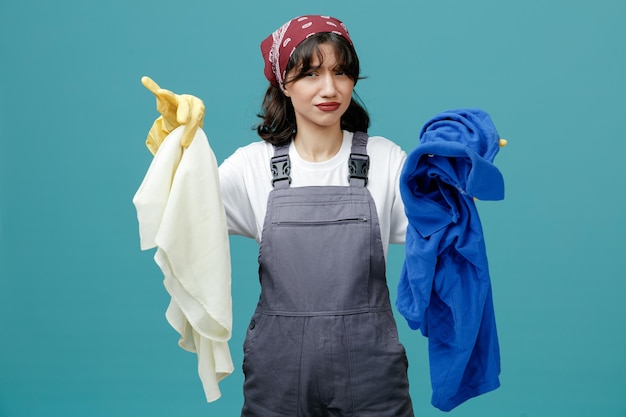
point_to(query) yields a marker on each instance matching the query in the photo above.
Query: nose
(329, 88)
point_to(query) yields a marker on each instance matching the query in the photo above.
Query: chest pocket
(320, 251)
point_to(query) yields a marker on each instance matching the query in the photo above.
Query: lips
(328, 106)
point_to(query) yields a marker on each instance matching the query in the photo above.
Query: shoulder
(380, 147)
(254, 150)
(382, 141)
(251, 156)
(248, 163)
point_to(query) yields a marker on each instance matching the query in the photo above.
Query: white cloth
(246, 181)
(180, 212)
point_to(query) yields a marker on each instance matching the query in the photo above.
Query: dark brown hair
(278, 119)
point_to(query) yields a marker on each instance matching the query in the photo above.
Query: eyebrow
(336, 67)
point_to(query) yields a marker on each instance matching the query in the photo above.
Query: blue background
(82, 326)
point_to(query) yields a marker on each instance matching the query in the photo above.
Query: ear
(286, 92)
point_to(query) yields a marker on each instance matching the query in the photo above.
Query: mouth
(328, 106)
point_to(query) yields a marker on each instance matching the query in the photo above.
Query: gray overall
(323, 340)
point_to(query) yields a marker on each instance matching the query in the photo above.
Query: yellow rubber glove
(176, 110)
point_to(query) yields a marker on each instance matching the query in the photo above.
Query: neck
(318, 146)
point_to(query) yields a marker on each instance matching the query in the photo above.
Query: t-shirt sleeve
(399, 222)
(239, 212)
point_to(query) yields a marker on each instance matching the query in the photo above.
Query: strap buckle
(281, 168)
(359, 166)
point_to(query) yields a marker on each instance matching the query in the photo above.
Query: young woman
(322, 199)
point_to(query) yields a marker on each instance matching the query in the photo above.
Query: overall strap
(359, 160)
(281, 167)
(358, 163)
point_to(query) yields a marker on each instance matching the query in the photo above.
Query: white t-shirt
(246, 181)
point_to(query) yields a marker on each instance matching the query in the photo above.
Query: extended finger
(167, 96)
(161, 93)
(150, 84)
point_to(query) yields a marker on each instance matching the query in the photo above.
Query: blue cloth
(445, 289)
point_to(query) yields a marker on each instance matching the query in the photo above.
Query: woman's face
(323, 95)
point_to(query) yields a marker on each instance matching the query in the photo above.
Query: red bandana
(278, 47)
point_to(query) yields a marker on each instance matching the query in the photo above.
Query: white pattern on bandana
(274, 54)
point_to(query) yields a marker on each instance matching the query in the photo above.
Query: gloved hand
(176, 110)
